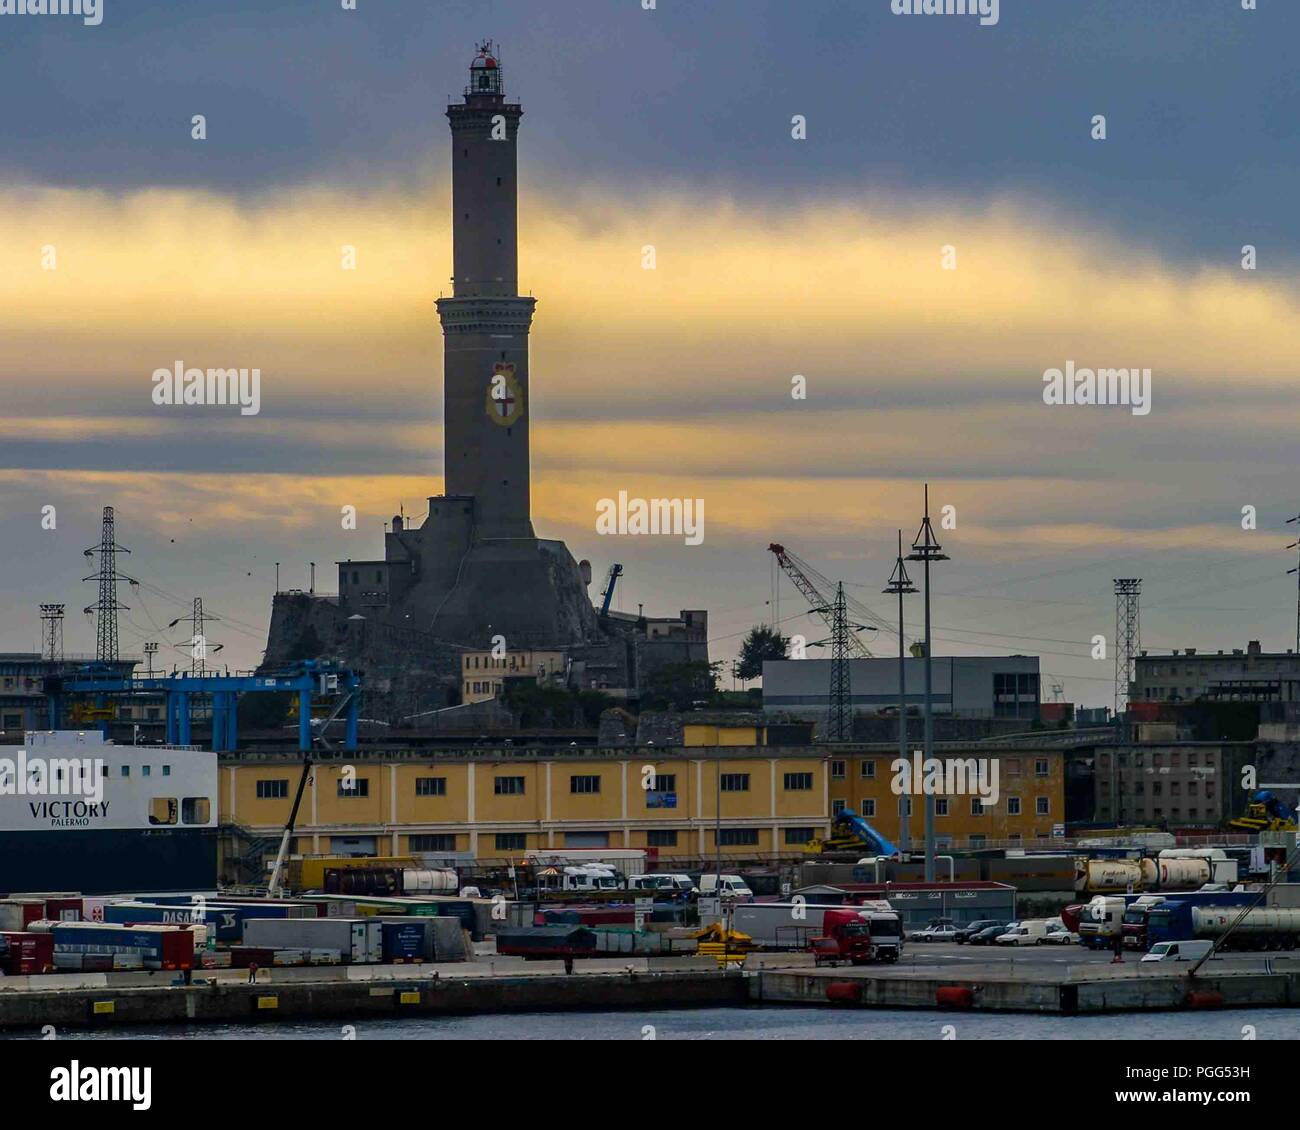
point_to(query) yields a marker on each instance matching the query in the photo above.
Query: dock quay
(1062, 989)
(108, 1000)
(493, 985)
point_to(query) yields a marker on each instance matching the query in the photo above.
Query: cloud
(666, 382)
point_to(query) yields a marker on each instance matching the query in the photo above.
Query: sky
(948, 230)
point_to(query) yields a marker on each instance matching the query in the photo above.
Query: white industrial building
(982, 686)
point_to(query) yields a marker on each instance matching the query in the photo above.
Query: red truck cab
(846, 936)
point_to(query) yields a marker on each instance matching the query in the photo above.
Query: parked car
(1025, 934)
(1060, 936)
(946, 933)
(965, 933)
(987, 936)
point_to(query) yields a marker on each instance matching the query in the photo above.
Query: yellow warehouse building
(497, 804)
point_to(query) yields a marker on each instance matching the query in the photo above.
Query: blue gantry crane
(308, 679)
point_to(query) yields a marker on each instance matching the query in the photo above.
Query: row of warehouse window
(1174, 758)
(1175, 788)
(1011, 765)
(1042, 806)
(655, 837)
(278, 788)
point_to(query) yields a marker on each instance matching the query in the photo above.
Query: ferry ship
(78, 813)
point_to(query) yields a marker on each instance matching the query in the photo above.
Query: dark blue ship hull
(110, 861)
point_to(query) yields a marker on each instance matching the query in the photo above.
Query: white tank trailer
(429, 882)
(1185, 869)
(1261, 928)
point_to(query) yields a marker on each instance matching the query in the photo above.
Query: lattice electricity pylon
(198, 643)
(1128, 636)
(813, 586)
(107, 607)
(839, 716)
(52, 632)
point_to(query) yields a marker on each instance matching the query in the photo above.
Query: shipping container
(241, 957)
(92, 909)
(63, 909)
(407, 939)
(160, 946)
(16, 914)
(1031, 873)
(28, 953)
(547, 941)
(225, 923)
(309, 874)
(360, 940)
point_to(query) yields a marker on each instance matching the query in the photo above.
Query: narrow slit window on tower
(498, 182)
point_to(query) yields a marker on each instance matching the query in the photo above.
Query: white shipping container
(92, 909)
(359, 940)
(324, 957)
(289, 957)
(780, 925)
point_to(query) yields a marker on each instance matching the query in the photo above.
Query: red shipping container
(64, 910)
(29, 953)
(1144, 711)
(241, 957)
(178, 949)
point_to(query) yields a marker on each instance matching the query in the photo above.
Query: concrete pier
(1069, 990)
(307, 994)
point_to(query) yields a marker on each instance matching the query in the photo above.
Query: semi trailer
(1263, 928)
(1171, 870)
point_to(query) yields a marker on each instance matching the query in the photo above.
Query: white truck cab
(591, 877)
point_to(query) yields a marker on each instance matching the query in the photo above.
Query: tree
(761, 643)
(680, 685)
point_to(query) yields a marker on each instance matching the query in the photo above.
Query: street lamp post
(926, 548)
(901, 584)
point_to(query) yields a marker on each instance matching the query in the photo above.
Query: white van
(648, 883)
(733, 886)
(1191, 950)
(1029, 933)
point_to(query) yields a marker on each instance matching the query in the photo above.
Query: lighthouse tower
(485, 325)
